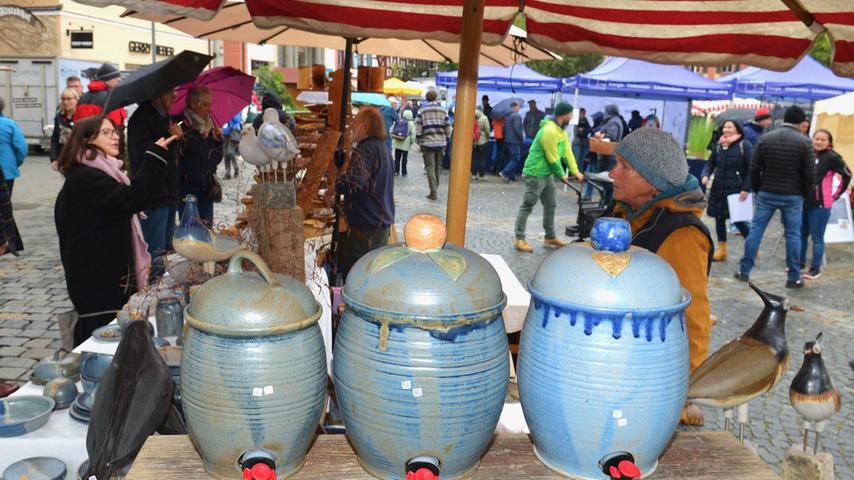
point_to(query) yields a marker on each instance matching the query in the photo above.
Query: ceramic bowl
(62, 390)
(56, 366)
(24, 414)
(92, 368)
(36, 468)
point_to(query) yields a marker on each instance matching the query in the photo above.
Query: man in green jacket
(550, 149)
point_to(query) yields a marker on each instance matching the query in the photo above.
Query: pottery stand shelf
(694, 455)
(277, 223)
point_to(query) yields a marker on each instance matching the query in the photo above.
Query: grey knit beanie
(657, 156)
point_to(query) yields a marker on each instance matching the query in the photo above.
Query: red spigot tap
(422, 474)
(620, 466)
(259, 471)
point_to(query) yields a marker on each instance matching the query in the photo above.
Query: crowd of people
(116, 213)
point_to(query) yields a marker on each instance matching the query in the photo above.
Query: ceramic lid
(244, 304)
(608, 273)
(36, 468)
(424, 280)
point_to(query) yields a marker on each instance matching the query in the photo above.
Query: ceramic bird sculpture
(276, 139)
(251, 151)
(812, 394)
(746, 367)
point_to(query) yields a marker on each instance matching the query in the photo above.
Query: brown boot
(555, 242)
(720, 252)
(523, 246)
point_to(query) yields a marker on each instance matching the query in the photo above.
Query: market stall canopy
(767, 33)
(628, 76)
(396, 86)
(808, 79)
(837, 115)
(514, 78)
(235, 22)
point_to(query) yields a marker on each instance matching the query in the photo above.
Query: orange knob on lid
(425, 233)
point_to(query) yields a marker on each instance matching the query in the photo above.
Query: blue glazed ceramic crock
(420, 362)
(603, 357)
(253, 370)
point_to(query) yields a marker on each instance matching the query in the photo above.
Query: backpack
(401, 129)
(476, 133)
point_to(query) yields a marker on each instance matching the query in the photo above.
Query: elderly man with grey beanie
(663, 203)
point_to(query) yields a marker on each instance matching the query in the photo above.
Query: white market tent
(836, 114)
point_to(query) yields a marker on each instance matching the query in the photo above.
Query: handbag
(214, 188)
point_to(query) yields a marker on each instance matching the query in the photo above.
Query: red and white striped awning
(765, 33)
(701, 108)
(837, 16)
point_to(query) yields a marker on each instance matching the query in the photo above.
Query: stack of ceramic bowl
(36, 468)
(92, 368)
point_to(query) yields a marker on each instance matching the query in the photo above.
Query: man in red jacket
(92, 102)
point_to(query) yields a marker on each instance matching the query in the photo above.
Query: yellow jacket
(687, 252)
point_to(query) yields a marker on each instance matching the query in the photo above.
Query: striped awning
(765, 33)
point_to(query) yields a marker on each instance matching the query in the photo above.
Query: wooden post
(458, 186)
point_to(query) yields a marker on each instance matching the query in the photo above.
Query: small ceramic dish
(92, 368)
(85, 401)
(108, 333)
(36, 468)
(81, 417)
(24, 414)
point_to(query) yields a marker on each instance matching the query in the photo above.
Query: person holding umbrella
(201, 150)
(150, 122)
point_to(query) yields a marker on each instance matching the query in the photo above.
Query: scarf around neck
(196, 122)
(141, 259)
(727, 140)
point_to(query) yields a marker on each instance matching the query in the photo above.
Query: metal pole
(461, 150)
(154, 45)
(345, 90)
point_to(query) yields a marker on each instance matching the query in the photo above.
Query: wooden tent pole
(458, 187)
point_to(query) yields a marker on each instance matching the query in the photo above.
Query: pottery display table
(694, 455)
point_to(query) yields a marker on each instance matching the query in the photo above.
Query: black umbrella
(149, 81)
(502, 108)
(738, 114)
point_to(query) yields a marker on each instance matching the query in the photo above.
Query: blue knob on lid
(611, 235)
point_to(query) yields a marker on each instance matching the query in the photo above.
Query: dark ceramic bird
(746, 367)
(812, 393)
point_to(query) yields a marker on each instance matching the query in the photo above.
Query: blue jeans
(204, 204)
(157, 231)
(514, 160)
(814, 225)
(791, 208)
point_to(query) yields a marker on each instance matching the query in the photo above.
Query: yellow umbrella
(396, 86)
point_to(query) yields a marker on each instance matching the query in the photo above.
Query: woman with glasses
(63, 123)
(200, 150)
(100, 239)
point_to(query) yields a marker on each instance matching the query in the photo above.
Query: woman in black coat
(200, 151)
(63, 122)
(100, 241)
(730, 163)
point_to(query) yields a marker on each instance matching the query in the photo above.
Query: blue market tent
(807, 80)
(650, 88)
(515, 77)
(618, 75)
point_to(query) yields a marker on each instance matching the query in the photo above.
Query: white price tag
(417, 392)
(406, 384)
(622, 422)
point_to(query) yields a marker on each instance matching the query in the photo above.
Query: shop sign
(82, 40)
(142, 47)
(25, 102)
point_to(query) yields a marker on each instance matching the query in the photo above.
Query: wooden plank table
(694, 455)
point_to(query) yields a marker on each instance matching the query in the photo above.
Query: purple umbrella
(231, 91)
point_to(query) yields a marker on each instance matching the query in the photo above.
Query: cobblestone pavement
(32, 293)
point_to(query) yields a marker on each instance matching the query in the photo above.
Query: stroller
(588, 210)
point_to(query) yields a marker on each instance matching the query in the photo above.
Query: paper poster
(740, 211)
(840, 228)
